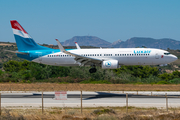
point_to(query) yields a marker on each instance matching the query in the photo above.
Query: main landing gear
(92, 70)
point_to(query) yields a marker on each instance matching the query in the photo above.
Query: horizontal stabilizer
(17, 52)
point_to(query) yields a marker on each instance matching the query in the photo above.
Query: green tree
(138, 71)
(12, 66)
(166, 76)
(58, 71)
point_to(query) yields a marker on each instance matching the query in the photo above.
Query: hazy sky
(110, 20)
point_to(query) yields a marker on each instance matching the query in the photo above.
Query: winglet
(60, 46)
(77, 46)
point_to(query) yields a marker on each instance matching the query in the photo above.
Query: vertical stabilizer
(23, 40)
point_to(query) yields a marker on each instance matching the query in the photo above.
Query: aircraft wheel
(92, 70)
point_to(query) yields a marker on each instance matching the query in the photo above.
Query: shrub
(162, 82)
(166, 76)
(175, 81)
(151, 79)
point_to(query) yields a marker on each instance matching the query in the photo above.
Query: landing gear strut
(92, 70)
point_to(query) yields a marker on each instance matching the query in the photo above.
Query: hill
(87, 41)
(134, 42)
(164, 43)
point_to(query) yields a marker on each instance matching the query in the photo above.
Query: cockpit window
(167, 53)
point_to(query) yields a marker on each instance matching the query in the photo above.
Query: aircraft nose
(174, 57)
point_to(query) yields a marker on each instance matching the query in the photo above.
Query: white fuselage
(125, 56)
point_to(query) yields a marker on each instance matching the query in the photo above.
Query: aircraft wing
(17, 52)
(79, 58)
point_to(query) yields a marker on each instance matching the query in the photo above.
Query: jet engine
(110, 64)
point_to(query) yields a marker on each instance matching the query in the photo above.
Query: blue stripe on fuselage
(33, 54)
(28, 45)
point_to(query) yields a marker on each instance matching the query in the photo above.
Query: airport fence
(126, 89)
(126, 93)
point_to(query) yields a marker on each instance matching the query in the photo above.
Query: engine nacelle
(110, 64)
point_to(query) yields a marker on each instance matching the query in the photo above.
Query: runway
(91, 99)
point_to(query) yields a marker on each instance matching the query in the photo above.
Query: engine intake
(110, 64)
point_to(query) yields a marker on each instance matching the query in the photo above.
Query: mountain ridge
(87, 41)
(133, 42)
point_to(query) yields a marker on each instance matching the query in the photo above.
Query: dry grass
(3, 44)
(119, 113)
(85, 87)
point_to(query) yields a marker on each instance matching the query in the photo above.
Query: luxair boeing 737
(111, 58)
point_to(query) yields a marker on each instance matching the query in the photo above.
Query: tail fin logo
(18, 29)
(18, 26)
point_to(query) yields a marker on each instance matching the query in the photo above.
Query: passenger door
(157, 56)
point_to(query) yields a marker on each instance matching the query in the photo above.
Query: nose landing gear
(92, 70)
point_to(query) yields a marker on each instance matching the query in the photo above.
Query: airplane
(107, 58)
